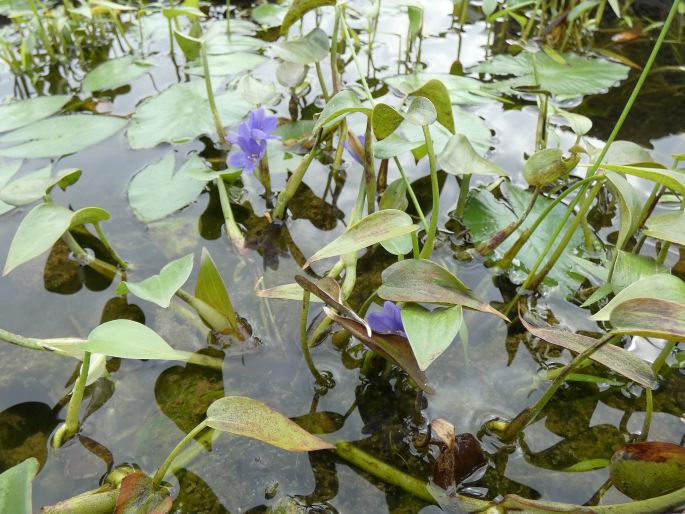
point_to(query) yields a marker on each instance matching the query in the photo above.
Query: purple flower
(387, 322)
(251, 138)
(354, 154)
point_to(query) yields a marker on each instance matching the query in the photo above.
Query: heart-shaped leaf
(115, 73)
(15, 487)
(430, 332)
(298, 8)
(374, 228)
(240, 415)
(385, 120)
(421, 112)
(37, 232)
(305, 50)
(342, 104)
(435, 91)
(155, 191)
(649, 317)
(668, 226)
(621, 361)
(459, 158)
(422, 281)
(161, 288)
(18, 114)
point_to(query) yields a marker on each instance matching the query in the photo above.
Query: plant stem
(232, 229)
(210, 95)
(295, 180)
(499, 237)
(102, 502)
(410, 190)
(228, 16)
(335, 76)
(522, 421)
(109, 247)
(663, 355)
(322, 82)
(303, 340)
(463, 195)
(369, 168)
(25, 342)
(162, 470)
(88, 260)
(427, 249)
(649, 410)
(71, 423)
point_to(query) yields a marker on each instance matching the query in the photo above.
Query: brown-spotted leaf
(422, 281)
(328, 290)
(649, 317)
(648, 469)
(137, 495)
(244, 416)
(394, 348)
(613, 357)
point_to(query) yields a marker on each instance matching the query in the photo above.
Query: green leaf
(459, 158)
(298, 8)
(648, 469)
(629, 204)
(257, 92)
(60, 135)
(286, 292)
(190, 46)
(421, 111)
(394, 196)
(580, 75)
(422, 281)
(115, 73)
(18, 114)
(385, 120)
(268, 15)
(161, 288)
(649, 317)
(155, 191)
(88, 215)
(659, 287)
(290, 74)
(35, 185)
(7, 171)
(623, 153)
(38, 231)
(244, 416)
(580, 124)
(309, 49)
(128, 339)
(138, 495)
(228, 64)
(623, 362)
(210, 286)
(183, 10)
(181, 113)
(342, 104)
(672, 179)
(374, 228)
(435, 91)
(668, 226)
(430, 332)
(630, 268)
(462, 90)
(15, 487)
(485, 215)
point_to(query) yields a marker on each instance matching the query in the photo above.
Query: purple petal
(238, 160)
(269, 124)
(249, 166)
(232, 137)
(244, 130)
(258, 134)
(380, 323)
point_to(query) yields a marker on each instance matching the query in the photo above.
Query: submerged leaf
(240, 415)
(422, 281)
(621, 361)
(161, 288)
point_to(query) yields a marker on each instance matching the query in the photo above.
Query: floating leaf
(298, 8)
(181, 113)
(228, 64)
(394, 348)
(7, 171)
(435, 91)
(459, 158)
(240, 415)
(578, 77)
(623, 362)
(138, 495)
(649, 317)
(309, 49)
(161, 288)
(35, 185)
(669, 226)
(60, 135)
(257, 92)
(374, 228)
(430, 332)
(210, 287)
(18, 114)
(155, 191)
(38, 231)
(422, 281)
(115, 73)
(660, 287)
(342, 104)
(268, 15)
(462, 90)
(15, 487)
(648, 469)
(129, 340)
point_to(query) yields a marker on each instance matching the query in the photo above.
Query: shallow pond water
(144, 408)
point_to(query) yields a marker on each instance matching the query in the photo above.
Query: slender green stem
(162, 470)
(322, 82)
(499, 237)
(304, 316)
(25, 342)
(663, 355)
(463, 195)
(427, 249)
(369, 168)
(210, 95)
(71, 423)
(232, 229)
(412, 195)
(649, 411)
(295, 180)
(98, 265)
(42, 33)
(109, 247)
(362, 76)
(228, 16)
(335, 76)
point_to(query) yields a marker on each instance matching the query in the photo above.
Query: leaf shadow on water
(24, 432)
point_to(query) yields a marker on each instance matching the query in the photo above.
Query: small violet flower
(354, 154)
(251, 137)
(387, 322)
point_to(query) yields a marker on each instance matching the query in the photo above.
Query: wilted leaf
(138, 495)
(649, 317)
(240, 415)
(458, 461)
